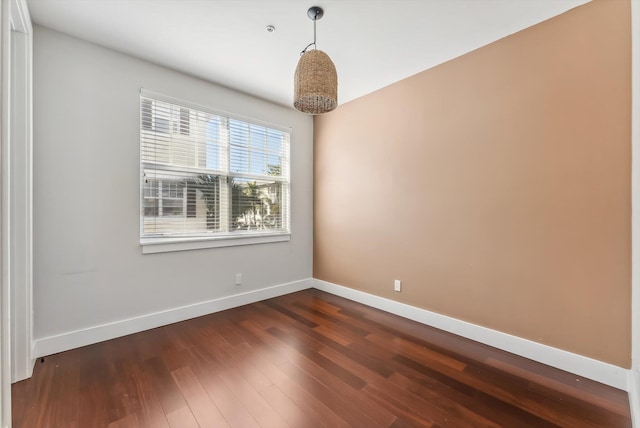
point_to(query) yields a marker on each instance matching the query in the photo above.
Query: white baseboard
(87, 336)
(583, 366)
(599, 371)
(634, 396)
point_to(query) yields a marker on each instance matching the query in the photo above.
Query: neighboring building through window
(163, 198)
(207, 175)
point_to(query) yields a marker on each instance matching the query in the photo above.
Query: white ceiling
(372, 43)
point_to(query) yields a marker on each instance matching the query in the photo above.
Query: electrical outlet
(397, 285)
(238, 279)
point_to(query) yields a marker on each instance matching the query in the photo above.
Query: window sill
(164, 245)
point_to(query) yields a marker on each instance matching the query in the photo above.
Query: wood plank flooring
(308, 359)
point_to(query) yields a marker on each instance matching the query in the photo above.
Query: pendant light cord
(315, 18)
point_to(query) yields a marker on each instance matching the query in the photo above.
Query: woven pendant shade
(315, 83)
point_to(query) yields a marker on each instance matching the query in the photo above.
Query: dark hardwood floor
(308, 359)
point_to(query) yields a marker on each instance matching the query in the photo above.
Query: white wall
(89, 269)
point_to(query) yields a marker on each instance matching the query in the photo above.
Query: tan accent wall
(495, 186)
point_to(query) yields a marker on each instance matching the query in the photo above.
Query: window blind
(203, 174)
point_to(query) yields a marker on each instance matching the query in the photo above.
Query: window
(209, 177)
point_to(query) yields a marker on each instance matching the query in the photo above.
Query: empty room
(276, 213)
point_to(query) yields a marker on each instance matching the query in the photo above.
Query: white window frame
(167, 244)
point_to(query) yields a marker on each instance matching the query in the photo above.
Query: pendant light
(315, 80)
